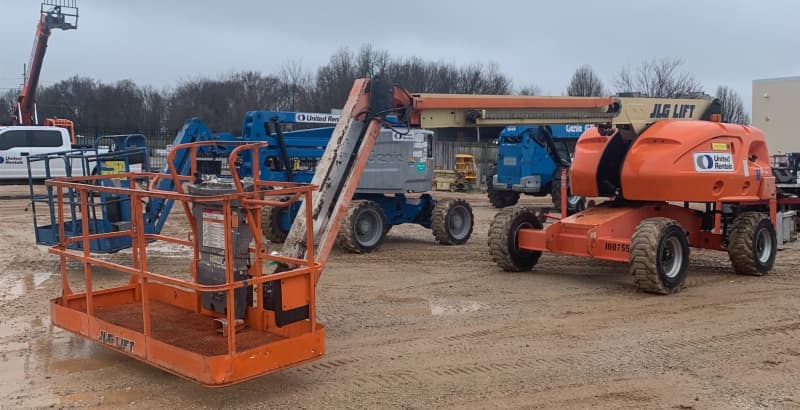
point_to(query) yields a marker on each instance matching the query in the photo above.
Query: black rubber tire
(502, 199)
(503, 238)
(350, 231)
(452, 221)
(750, 252)
(650, 244)
(271, 224)
(498, 198)
(576, 203)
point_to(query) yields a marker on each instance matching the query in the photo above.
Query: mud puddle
(14, 285)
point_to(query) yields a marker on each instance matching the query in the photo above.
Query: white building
(776, 102)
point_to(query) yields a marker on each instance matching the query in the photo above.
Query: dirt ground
(417, 325)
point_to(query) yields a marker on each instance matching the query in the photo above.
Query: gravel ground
(417, 325)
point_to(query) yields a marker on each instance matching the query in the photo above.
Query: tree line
(223, 101)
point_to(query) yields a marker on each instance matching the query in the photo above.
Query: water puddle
(14, 285)
(455, 308)
(12, 372)
(11, 327)
(28, 366)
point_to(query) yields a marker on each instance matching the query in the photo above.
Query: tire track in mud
(326, 365)
(509, 337)
(647, 357)
(556, 368)
(705, 343)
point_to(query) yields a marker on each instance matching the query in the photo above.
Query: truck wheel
(452, 221)
(575, 204)
(271, 224)
(659, 256)
(362, 228)
(503, 238)
(502, 199)
(752, 244)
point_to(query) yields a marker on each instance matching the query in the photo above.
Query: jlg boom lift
(671, 186)
(235, 317)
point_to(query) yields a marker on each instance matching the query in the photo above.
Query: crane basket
(170, 320)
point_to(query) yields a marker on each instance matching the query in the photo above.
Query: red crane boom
(55, 14)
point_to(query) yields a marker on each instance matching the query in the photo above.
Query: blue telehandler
(529, 161)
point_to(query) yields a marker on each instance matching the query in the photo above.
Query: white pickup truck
(18, 142)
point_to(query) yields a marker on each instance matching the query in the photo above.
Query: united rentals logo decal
(713, 162)
(316, 118)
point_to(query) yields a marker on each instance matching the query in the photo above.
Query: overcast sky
(539, 43)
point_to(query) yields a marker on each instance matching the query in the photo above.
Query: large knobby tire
(659, 256)
(271, 224)
(502, 199)
(452, 221)
(363, 227)
(575, 203)
(503, 238)
(752, 244)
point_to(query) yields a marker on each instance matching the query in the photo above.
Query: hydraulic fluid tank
(209, 217)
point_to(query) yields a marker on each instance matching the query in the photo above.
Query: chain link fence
(157, 140)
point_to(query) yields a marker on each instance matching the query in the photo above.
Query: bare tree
(371, 61)
(530, 90)
(482, 79)
(223, 101)
(658, 78)
(732, 106)
(296, 84)
(7, 100)
(585, 83)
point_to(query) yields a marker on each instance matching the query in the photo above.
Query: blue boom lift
(400, 163)
(529, 161)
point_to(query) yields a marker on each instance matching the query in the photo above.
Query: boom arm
(626, 113)
(372, 102)
(55, 14)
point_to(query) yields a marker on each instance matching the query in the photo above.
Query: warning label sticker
(213, 229)
(713, 162)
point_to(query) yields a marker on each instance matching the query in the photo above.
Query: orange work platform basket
(244, 320)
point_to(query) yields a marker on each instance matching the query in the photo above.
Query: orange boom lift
(253, 319)
(671, 186)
